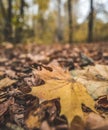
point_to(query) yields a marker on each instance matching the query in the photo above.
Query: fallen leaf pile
(39, 92)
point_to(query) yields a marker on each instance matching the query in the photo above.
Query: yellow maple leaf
(59, 84)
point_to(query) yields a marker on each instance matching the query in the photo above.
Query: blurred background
(53, 21)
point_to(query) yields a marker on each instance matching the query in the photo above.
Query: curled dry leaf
(102, 103)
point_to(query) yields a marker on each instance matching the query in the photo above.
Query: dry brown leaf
(77, 124)
(4, 106)
(1, 73)
(38, 114)
(6, 82)
(96, 122)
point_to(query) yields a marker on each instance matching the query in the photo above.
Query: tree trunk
(19, 29)
(90, 22)
(70, 21)
(8, 23)
(22, 8)
(2, 9)
(59, 26)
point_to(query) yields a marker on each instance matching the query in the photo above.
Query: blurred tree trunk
(20, 20)
(59, 28)
(2, 9)
(8, 23)
(41, 23)
(70, 21)
(41, 27)
(22, 8)
(90, 22)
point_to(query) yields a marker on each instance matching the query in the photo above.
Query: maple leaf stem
(107, 95)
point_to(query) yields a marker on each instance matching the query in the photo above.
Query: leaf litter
(34, 94)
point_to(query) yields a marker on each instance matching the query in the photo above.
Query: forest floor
(17, 65)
